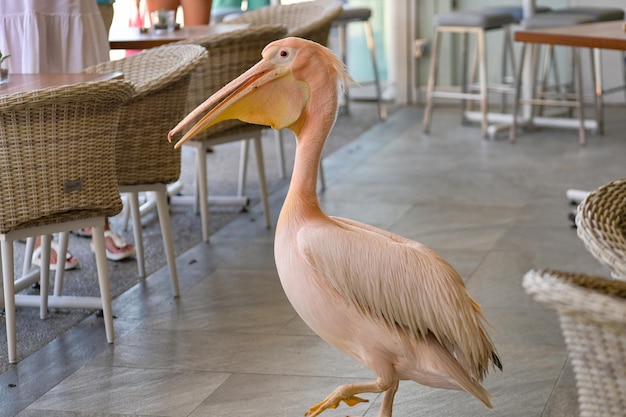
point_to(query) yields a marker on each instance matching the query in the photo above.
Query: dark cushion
(516, 11)
(353, 13)
(480, 18)
(548, 20)
(599, 14)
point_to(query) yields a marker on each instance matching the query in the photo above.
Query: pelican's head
(275, 92)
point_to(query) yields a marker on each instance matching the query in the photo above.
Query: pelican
(391, 303)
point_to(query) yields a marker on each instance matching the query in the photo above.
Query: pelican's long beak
(266, 94)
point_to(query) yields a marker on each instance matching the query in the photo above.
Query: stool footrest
(453, 94)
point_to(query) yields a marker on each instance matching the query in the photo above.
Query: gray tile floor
(233, 346)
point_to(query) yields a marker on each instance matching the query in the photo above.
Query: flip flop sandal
(119, 243)
(70, 261)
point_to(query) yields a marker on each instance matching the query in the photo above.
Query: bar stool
(464, 23)
(351, 14)
(543, 97)
(599, 14)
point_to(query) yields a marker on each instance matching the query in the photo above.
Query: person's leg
(106, 11)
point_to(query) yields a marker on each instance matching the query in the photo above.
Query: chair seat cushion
(353, 13)
(516, 11)
(481, 19)
(547, 20)
(599, 14)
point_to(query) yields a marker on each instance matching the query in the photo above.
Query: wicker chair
(601, 224)
(230, 54)
(309, 20)
(58, 174)
(145, 161)
(592, 313)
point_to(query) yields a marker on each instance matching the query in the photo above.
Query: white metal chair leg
(135, 215)
(8, 283)
(103, 280)
(258, 151)
(280, 152)
(203, 202)
(44, 275)
(243, 167)
(168, 240)
(59, 276)
(369, 36)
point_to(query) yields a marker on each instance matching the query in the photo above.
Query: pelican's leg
(387, 405)
(347, 394)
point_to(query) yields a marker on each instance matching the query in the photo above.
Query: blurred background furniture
(58, 165)
(592, 314)
(601, 225)
(309, 20)
(356, 14)
(568, 95)
(145, 160)
(478, 23)
(231, 54)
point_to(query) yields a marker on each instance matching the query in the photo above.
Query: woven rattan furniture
(231, 54)
(309, 20)
(58, 174)
(145, 161)
(592, 313)
(601, 224)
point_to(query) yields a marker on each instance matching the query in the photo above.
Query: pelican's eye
(283, 53)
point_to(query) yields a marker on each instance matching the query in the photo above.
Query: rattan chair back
(601, 224)
(161, 78)
(44, 134)
(231, 54)
(309, 20)
(592, 313)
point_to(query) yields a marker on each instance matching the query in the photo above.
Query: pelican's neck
(319, 118)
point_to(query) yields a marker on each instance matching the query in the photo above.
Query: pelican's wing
(399, 281)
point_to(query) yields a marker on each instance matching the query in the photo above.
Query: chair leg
(483, 82)
(280, 152)
(258, 151)
(516, 98)
(6, 247)
(135, 215)
(203, 197)
(28, 255)
(168, 240)
(596, 65)
(103, 280)
(59, 276)
(579, 96)
(432, 76)
(343, 52)
(369, 36)
(243, 168)
(44, 277)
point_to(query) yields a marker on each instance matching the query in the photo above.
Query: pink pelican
(391, 303)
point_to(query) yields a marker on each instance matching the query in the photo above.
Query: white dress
(52, 35)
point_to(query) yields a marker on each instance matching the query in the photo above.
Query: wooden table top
(603, 35)
(134, 38)
(23, 83)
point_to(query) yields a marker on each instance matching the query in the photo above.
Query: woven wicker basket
(592, 313)
(601, 224)
(54, 165)
(309, 20)
(160, 77)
